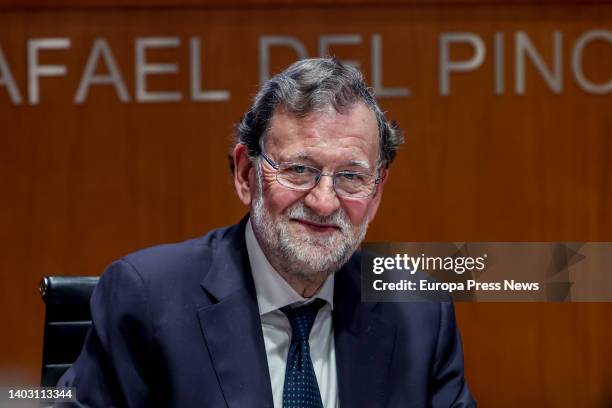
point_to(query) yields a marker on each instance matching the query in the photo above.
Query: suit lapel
(232, 327)
(363, 343)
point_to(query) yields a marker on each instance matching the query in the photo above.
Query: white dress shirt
(273, 293)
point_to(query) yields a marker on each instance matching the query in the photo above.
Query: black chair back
(67, 319)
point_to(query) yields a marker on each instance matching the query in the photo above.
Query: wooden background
(81, 185)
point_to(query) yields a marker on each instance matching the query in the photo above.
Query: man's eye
(351, 176)
(297, 169)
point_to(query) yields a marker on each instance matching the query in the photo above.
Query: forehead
(326, 136)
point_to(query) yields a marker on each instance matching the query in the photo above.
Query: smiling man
(267, 313)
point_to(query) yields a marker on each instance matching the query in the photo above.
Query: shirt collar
(273, 292)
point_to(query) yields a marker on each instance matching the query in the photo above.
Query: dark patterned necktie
(301, 389)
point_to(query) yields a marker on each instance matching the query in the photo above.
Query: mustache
(301, 212)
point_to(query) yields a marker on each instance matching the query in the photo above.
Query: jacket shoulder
(182, 260)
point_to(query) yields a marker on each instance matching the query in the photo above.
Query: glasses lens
(297, 176)
(355, 185)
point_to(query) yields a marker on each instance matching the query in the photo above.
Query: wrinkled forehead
(326, 135)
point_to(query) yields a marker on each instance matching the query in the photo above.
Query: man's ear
(242, 170)
(384, 175)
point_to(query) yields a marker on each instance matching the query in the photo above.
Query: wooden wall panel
(149, 4)
(85, 184)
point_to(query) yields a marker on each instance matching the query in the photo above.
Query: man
(267, 313)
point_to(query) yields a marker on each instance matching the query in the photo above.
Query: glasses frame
(276, 166)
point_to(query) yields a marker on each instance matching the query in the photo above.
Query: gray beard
(306, 257)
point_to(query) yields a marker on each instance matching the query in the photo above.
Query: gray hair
(314, 85)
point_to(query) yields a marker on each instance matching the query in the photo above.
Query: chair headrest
(67, 290)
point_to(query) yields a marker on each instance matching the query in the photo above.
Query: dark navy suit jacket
(178, 326)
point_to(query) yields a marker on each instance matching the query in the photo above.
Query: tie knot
(302, 318)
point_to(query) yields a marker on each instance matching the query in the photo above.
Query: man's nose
(322, 199)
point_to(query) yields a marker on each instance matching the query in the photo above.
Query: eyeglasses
(301, 177)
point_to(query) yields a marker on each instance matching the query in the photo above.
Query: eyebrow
(301, 156)
(305, 156)
(359, 163)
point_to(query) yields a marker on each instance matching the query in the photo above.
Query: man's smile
(315, 226)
